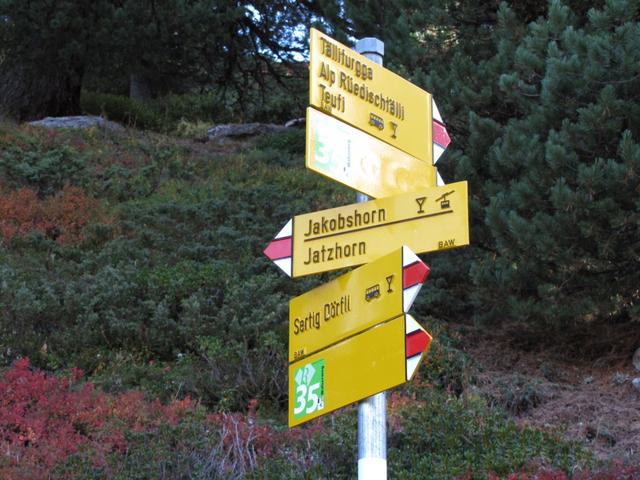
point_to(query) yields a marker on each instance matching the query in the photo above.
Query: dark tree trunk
(139, 87)
(29, 93)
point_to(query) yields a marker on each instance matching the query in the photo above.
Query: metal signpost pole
(372, 412)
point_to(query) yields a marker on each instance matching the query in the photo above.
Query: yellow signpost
(351, 338)
(356, 301)
(360, 366)
(356, 90)
(428, 220)
(360, 161)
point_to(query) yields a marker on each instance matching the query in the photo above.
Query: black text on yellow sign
(356, 90)
(355, 301)
(426, 220)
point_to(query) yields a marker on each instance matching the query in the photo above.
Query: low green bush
(40, 160)
(192, 107)
(196, 129)
(168, 114)
(447, 437)
(287, 147)
(445, 367)
(175, 298)
(518, 394)
(121, 109)
(189, 115)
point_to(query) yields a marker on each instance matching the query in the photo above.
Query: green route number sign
(309, 389)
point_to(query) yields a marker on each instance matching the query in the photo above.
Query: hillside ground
(575, 384)
(177, 209)
(553, 385)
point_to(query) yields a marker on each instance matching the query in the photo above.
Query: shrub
(163, 114)
(191, 107)
(614, 471)
(195, 130)
(236, 371)
(446, 437)
(167, 113)
(336, 445)
(44, 420)
(117, 165)
(446, 367)
(62, 217)
(518, 394)
(122, 109)
(39, 160)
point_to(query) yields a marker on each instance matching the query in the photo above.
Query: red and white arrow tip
(441, 139)
(417, 342)
(280, 250)
(414, 273)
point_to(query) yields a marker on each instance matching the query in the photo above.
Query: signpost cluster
(377, 133)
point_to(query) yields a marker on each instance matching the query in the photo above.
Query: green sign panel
(309, 389)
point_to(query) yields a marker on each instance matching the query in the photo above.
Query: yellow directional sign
(358, 367)
(356, 90)
(426, 220)
(356, 301)
(360, 161)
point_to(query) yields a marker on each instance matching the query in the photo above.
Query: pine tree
(449, 49)
(46, 46)
(543, 117)
(228, 44)
(560, 172)
(51, 47)
(541, 102)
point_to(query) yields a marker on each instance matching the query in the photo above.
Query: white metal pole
(372, 412)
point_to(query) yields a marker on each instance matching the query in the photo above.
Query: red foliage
(44, 419)
(615, 471)
(544, 474)
(61, 218)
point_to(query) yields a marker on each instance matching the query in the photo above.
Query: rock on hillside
(234, 132)
(81, 121)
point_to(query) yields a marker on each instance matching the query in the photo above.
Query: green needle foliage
(561, 194)
(541, 102)
(239, 50)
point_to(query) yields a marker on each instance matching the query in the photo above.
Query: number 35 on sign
(309, 389)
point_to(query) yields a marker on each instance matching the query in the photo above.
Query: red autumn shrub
(44, 419)
(20, 213)
(62, 217)
(617, 470)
